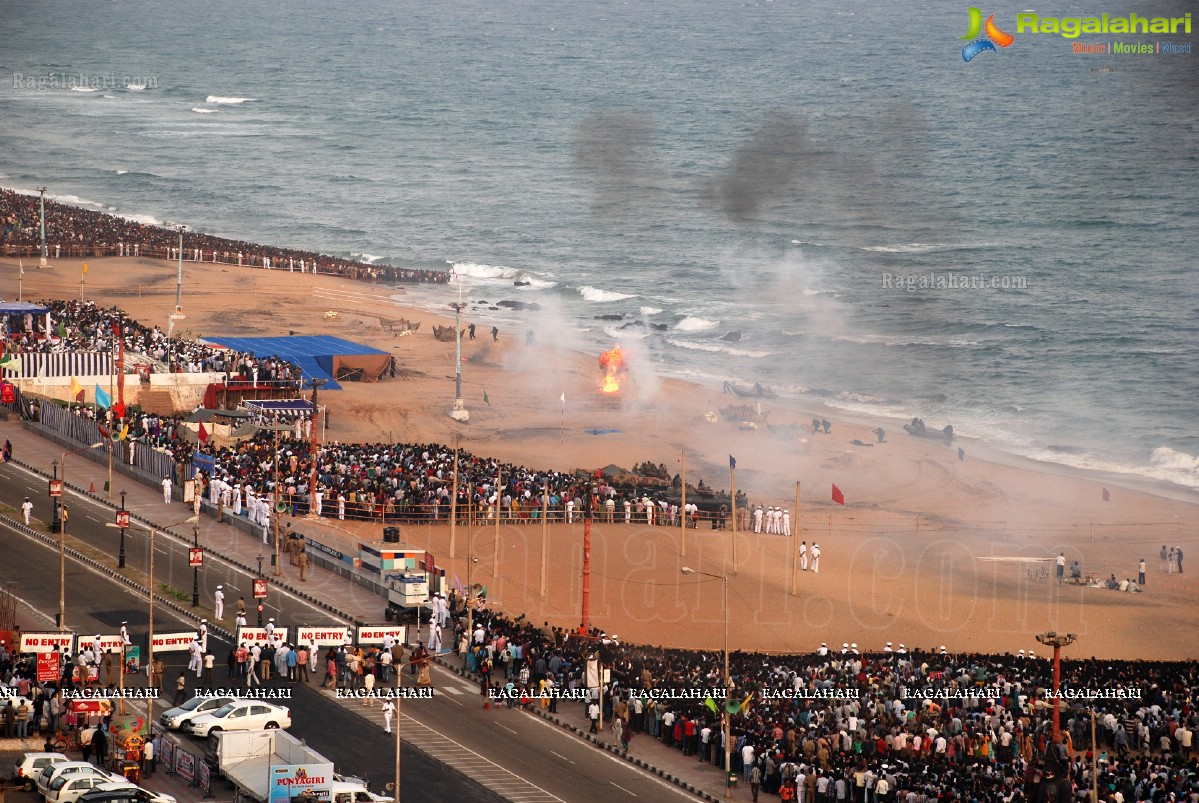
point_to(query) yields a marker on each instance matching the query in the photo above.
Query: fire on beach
(613, 363)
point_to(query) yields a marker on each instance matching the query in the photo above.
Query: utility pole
(459, 413)
(42, 207)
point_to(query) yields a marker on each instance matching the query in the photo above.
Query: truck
(245, 758)
(407, 596)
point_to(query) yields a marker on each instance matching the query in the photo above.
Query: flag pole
(795, 547)
(21, 283)
(733, 486)
(683, 531)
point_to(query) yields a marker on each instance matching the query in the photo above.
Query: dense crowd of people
(86, 327)
(837, 722)
(76, 232)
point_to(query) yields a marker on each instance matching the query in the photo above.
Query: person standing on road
(27, 508)
(389, 710)
(166, 490)
(219, 602)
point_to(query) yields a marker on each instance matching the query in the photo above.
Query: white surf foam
(625, 334)
(198, 110)
(84, 89)
(716, 348)
(650, 310)
(600, 296)
(122, 172)
(369, 259)
(225, 100)
(694, 323)
(136, 87)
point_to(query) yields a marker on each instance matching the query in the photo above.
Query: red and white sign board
(107, 643)
(47, 667)
(334, 636)
(375, 635)
(56, 487)
(260, 587)
(257, 635)
(174, 642)
(195, 556)
(46, 642)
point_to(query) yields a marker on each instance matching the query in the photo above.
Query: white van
(354, 792)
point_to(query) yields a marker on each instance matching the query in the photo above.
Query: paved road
(329, 727)
(517, 755)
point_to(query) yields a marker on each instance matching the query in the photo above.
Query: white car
(121, 793)
(241, 715)
(26, 770)
(54, 771)
(177, 718)
(68, 788)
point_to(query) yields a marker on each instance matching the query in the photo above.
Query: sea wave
(717, 348)
(694, 323)
(226, 100)
(85, 89)
(369, 259)
(650, 310)
(904, 340)
(625, 334)
(924, 248)
(597, 295)
(122, 172)
(198, 110)
(1165, 464)
(135, 87)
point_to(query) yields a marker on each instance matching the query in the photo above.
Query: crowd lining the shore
(76, 233)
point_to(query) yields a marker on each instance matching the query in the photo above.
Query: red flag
(838, 497)
(1106, 496)
(203, 434)
(118, 409)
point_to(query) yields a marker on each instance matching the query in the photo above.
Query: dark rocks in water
(611, 316)
(521, 284)
(493, 308)
(732, 337)
(519, 305)
(659, 327)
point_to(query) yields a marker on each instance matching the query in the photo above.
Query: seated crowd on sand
(72, 232)
(937, 726)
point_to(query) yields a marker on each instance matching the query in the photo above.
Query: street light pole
(585, 624)
(1052, 639)
(316, 412)
(727, 717)
(196, 569)
(42, 210)
(62, 554)
(121, 555)
(459, 413)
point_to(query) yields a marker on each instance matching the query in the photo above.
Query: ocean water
(728, 184)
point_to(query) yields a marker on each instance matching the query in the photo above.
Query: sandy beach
(928, 550)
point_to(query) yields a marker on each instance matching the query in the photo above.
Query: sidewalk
(335, 593)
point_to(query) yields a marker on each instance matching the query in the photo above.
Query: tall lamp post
(728, 747)
(196, 569)
(44, 253)
(150, 593)
(177, 315)
(59, 525)
(316, 412)
(1057, 641)
(123, 524)
(459, 413)
(585, 624)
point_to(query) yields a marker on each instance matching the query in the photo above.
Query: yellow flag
(76, 388)
(124, 433)
(84, 268)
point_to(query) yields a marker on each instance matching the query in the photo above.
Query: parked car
(241, 715)
(122, 793)
(28, 766)
(177, 718)
(68, 788)
(52, 771)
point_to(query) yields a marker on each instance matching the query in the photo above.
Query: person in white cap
(125, 633)
(854, 647)
(195, 657)
(803, 555)
(240, 621)
(204, 634)
(270, 631)
(943, 649)
(758, 519)
(787, 522)
(823, 650)
(389, 710)
(27, 508)
(219, 602)
(888, 648)
(845, 648)
(902, 650)
(815, 558)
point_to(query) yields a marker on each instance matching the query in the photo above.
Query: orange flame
(613, 364)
